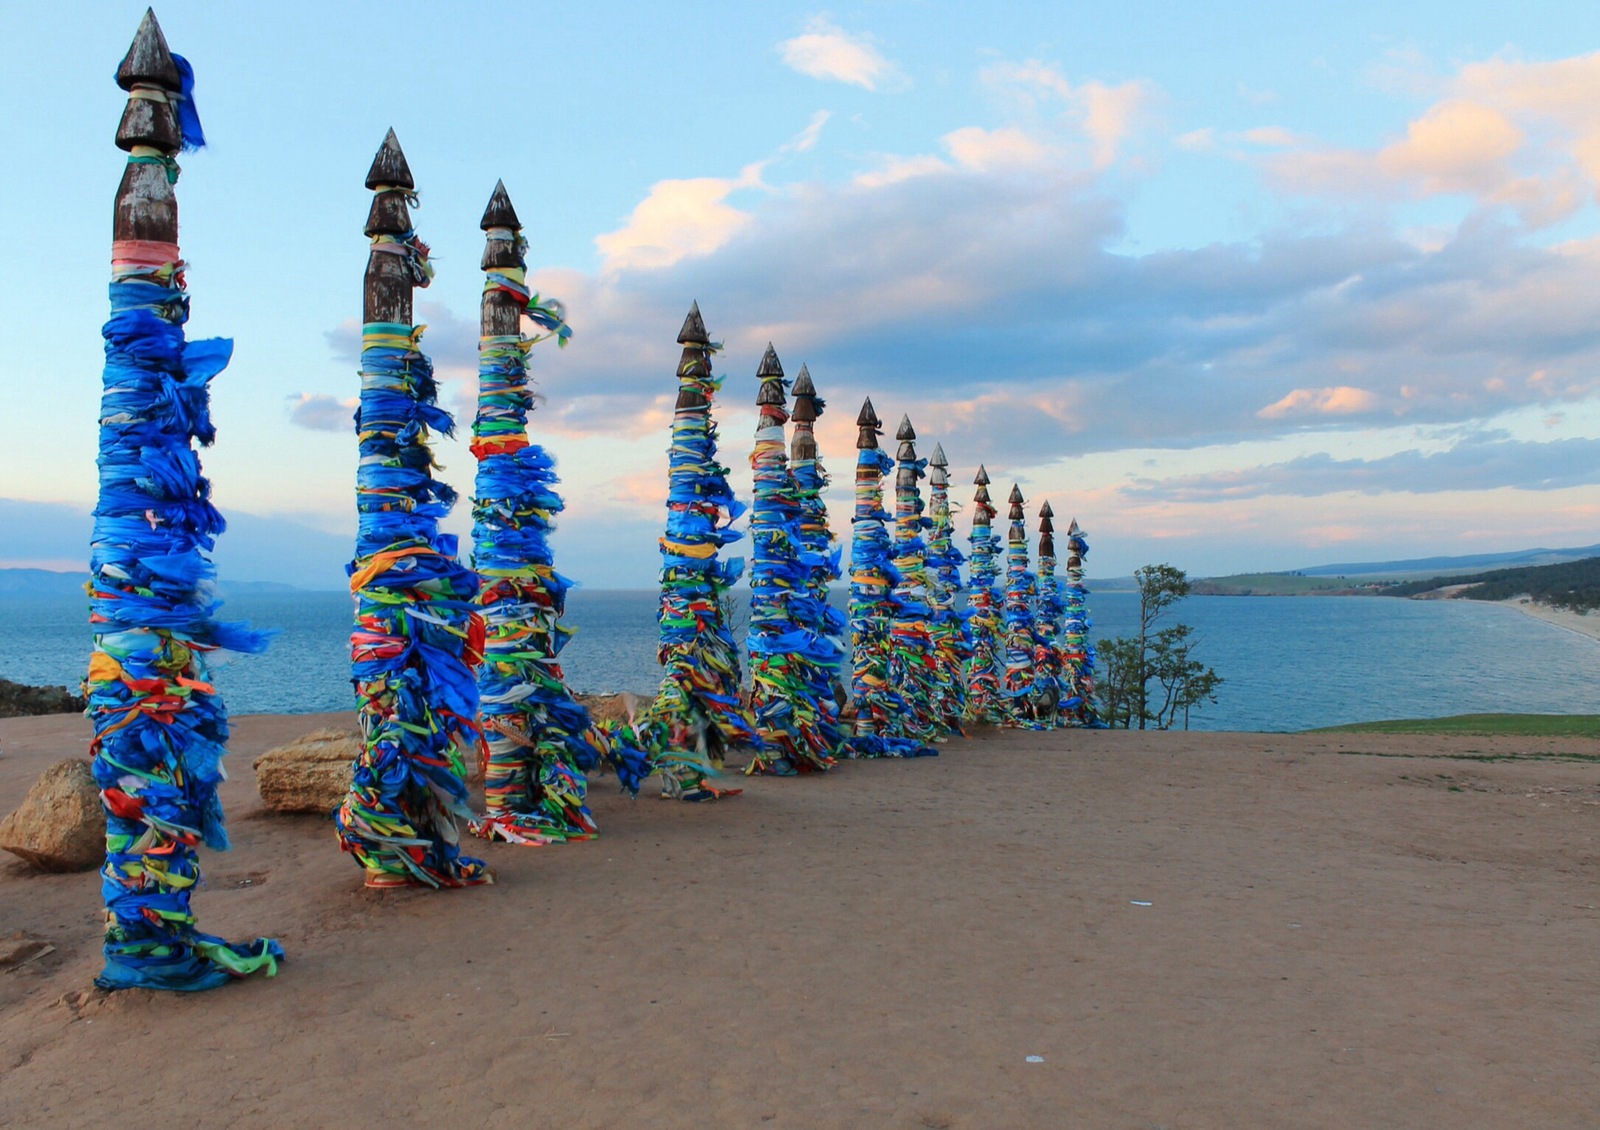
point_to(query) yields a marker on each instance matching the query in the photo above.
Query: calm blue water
(1289, 662)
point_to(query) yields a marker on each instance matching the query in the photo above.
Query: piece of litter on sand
(1136, 902)
(1036, 1059)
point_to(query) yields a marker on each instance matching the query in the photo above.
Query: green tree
(1153, 677)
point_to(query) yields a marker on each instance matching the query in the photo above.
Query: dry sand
(1341, 931)
(1579, 622)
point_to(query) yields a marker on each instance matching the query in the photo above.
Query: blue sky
(1240, 286)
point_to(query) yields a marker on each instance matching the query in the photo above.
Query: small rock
(60, 825)
(614, 707)
(21, 948)
(310, 774)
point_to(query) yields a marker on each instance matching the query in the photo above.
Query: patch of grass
(1511, 725)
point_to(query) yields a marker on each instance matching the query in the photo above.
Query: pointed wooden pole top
(389, 169)
(908, 448)
(502, 249)
(149, 61)
(149, 66)
(867, 427)
(1045, 511)
(499, 213)
(770, 394)
(1016, 498)
(805, 399)
(937, 459)
(694, 328)
(1072, 529)
(982, 477)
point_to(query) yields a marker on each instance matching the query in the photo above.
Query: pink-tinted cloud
(1342, 400)
(826, 51)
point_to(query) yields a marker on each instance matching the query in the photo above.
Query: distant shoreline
(1575, 622)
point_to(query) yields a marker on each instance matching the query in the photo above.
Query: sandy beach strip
(1069, 929)
(1581, 623)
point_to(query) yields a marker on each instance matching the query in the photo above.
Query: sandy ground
(1187, 930)
(1583, 624)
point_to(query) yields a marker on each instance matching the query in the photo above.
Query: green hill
(1574, 585)
(1287, 584)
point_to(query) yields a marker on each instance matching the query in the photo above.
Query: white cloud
(1106, 115)
(806, 139)
(321, 412)
(1521, 135)
(985, 150)
(679, 218)
(827, 51)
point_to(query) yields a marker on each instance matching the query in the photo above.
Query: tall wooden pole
(696, 714)
(540, 739)
(1078, 706)
(1018, 679)
(872, 578)
(783, 658)
(984, 702)
(160, 729)
(951, 645)
(1047, 624)
(417, 635)
(823, 624)
(911, 663)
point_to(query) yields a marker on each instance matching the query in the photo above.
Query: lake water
(1289, 663)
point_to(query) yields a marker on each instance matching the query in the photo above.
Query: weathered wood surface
(803, 446)
(905, 477)
(499, 313)
(146, 205)
(867, 427)
(388, 281)
(694, 339)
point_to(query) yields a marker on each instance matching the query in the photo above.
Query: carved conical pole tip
(499, 213)
(149, 60)
(867, 427)
(805, 398)
(694, 328)
(906, 430)
(389, 168)
(1016, 498)
(937, 459)
(1045, 511)
(1072, 528)
(982, 478)
(772, 376)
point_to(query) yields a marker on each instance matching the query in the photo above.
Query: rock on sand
(310, 774)
(60, 825)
